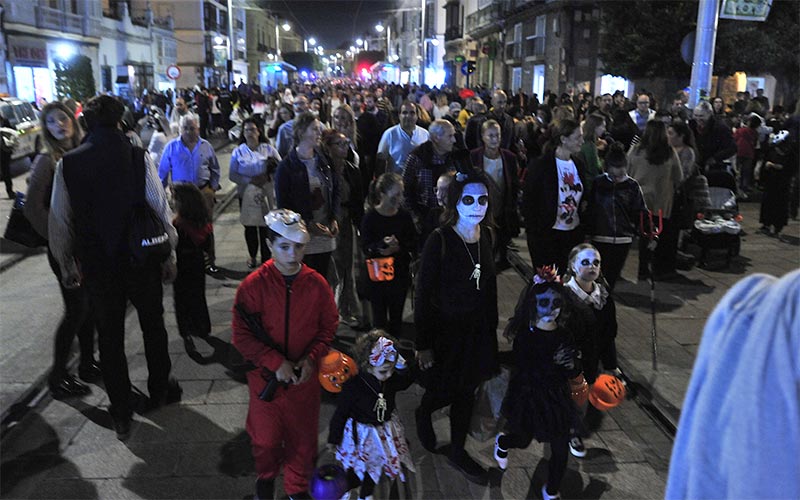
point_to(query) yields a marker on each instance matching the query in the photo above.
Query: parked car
(22, 117)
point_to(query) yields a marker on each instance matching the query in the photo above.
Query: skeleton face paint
(473, 203)
(548, 306)
(586, 265)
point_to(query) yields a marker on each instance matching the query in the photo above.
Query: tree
(763, 47)
(642, 39)
(75, 78)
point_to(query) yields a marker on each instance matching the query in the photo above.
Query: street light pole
(705, 42)
(422, 45)
(230, 44)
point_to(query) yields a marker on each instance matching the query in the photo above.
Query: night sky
(333, 23)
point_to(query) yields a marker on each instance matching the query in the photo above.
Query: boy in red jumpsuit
(284, 320)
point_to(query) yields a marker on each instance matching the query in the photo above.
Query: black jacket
(292, 189)
(613, 209)
(715, 142)
(540, 192)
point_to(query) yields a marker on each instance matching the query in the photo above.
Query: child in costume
(594, 322)
(284, 320)
(194, 230)
(365, 429)
(538, 402)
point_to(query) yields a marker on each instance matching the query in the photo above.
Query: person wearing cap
(399, 140)
(295, 308)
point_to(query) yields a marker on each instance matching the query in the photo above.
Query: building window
(536, 43)
(514, 46)
(516, 79)
(587, 33)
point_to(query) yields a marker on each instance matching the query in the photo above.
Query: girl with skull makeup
(365, 431)
(594, 322)
(538, 402)
(456, 315)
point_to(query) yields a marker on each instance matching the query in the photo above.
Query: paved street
(198, 448)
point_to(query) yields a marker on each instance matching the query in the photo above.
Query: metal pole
(388, 42)
(422, 45)
(704, 44)
(277, 40)
(230, 44)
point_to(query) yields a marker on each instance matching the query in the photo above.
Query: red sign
(173, 72)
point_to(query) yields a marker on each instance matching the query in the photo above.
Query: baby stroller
(718, 227)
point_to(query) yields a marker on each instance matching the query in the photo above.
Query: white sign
(745, 10)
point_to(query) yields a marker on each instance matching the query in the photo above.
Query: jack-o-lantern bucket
(381, 268)
(335, 369)
(607, 392)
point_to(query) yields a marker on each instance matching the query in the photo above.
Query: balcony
(484, 19)
(453, 33)
(518, 5)
(54, 19)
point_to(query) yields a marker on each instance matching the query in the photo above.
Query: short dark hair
(258, 124)
(103, 112)
(301, 123)
(615, 156)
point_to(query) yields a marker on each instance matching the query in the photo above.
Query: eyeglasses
(587, 262)
(250, 129)
(469, 200)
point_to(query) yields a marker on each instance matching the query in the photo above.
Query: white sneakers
(500, 455)
(548, 496)
(576, 447)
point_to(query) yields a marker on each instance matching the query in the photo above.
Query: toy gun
(253, 322)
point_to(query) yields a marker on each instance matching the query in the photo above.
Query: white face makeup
(473, 203)
(548, 306)
(586, 265)
(383, 372)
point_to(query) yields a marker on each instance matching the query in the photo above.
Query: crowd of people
(350, 197)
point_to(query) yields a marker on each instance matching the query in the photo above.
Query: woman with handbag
(388, 239)
(62, 133)
(253, 165)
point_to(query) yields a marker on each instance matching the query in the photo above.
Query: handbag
(149, 240)
(486, 413)
(19, 229)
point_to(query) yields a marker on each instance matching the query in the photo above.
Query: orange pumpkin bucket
(335, 369)
(381, 268)
(607, 392)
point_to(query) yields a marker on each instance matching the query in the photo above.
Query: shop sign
(28, 52)
(745, 10)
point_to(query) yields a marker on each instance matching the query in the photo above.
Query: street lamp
(310, 41)
(286, 27)
(379, 28)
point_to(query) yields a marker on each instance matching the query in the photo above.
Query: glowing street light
(286, 27)
(312, 41)
(359, 42)
(379, 28)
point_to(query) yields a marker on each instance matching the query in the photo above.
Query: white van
(22, 117)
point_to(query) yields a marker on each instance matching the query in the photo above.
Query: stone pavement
(199, 449)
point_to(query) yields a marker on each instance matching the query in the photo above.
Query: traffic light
(470, 67)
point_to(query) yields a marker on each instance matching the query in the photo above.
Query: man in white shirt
(397, 141)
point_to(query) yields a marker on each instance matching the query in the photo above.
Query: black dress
(538, 400)
(452, 316)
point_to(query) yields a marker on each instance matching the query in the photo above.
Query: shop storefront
(32, 78)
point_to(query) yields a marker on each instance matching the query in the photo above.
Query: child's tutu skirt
(375, 449)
